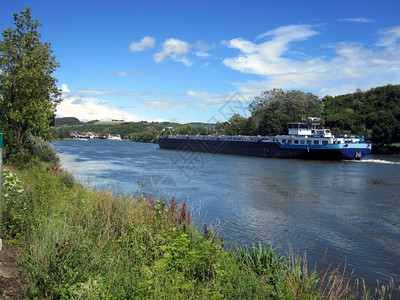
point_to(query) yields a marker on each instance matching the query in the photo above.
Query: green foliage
(295, 104)
(87, 244)
(144, 137)
(374, 113)
(263, 262)
(28, 92)
(190, 130)
(237, 125)
(66, 121)
(125, 129)
(41, 149)
(15, 208)
(270, 121)
(273, 109)
(136, 131)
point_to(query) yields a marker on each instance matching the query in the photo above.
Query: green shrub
(41, 149)
(16, 208)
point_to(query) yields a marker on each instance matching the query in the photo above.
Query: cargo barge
(303, 141)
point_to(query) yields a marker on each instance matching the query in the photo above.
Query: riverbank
(80, 243)
(12, 279)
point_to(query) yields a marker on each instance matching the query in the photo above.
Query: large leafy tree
(28, 91)
(272, 109)
(236, 125)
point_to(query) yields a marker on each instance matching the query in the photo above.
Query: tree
(374, 113)
(237, 125)
(269, 121)
(28, 92)
(272, 109)
(295, 104)
(383, 132)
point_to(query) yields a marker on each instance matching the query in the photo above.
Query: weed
(87, 244)
(15, 208)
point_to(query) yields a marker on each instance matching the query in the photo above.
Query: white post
(1, 183)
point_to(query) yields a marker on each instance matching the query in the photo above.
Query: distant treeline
(136, 131)
(374, 113)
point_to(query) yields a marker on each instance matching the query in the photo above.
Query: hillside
(374, 113)
(136, 131)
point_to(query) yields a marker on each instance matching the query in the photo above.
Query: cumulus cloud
(174, 49)
(146, 43)
(350, 65)
(92, 108)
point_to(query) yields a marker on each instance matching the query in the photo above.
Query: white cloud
(266, 58)
(174, 49)
(206, 99)
(64, 88)
(351, 65)
(106, 92)
(125, 74)
(100, 104)
(289, 33)
(202, 53)
(91, 108)
(356, 20)
(202, 49)
(146, 43)
(390, 38)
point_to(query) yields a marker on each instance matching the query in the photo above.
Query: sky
(203, 61)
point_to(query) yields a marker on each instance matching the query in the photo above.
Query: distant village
(78, 135)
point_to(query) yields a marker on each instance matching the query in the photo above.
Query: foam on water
(379, 161)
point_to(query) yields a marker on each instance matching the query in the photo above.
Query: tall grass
(87, 244)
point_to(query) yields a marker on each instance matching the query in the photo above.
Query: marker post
(1, 183)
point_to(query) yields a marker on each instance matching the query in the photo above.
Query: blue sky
(189, 61)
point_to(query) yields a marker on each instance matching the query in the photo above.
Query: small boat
(303, 141)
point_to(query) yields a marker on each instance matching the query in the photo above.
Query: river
(338, 212)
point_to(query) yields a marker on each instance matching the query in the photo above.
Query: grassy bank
(86, 244)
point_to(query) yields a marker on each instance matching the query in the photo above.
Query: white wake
(379, 161)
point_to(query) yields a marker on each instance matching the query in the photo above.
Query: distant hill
(67, 121)
(206, 125)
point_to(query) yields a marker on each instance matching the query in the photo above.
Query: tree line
(374, 113)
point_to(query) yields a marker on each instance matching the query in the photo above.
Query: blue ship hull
(265, 148)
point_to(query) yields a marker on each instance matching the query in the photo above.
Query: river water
(340, 212)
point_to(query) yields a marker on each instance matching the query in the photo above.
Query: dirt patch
(12, 281)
